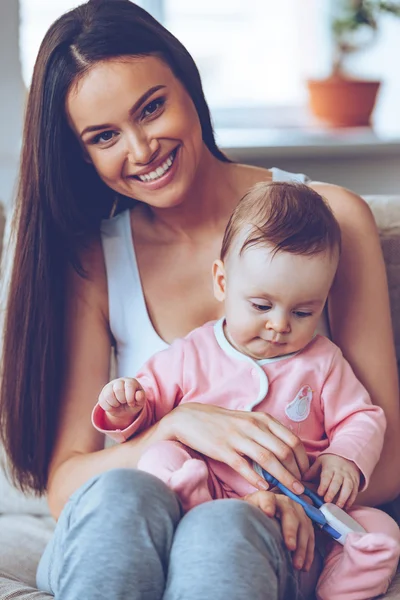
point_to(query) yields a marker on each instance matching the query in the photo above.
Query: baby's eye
(261, 307)
(302, 314)
(153, 106)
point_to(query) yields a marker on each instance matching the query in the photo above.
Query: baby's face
(273, 302)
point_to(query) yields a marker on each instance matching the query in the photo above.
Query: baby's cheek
(237, 327)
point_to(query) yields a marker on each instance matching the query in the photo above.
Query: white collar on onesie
(227, 347)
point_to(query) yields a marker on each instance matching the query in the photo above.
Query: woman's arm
(79, 450)
(360, 323)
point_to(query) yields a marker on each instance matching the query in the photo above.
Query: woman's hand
(297, 529)
(229, 436)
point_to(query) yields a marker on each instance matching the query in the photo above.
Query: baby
(278, 260)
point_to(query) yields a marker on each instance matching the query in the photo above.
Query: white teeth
(159, 171)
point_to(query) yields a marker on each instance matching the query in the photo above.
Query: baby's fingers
(352, 498)
(312, 474)
(327, 475)
(107, 399)
(118, 386)
(333, 488)
(140, 398)
(347, 493)
(131, 390)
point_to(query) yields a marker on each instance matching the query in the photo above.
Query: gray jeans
(122, 536)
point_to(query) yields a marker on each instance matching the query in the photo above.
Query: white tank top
(134, 334)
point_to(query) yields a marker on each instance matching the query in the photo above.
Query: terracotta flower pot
(341, 101)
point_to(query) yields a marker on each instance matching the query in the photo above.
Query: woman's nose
(140, 149)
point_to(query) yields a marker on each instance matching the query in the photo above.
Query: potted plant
(341, 100)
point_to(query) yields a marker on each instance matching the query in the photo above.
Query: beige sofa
(25, 525)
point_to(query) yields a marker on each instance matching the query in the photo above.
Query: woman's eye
(152, 107)
(104, 137)
(261, 307)
(301, 314)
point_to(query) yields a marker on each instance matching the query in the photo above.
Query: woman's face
(139, 128)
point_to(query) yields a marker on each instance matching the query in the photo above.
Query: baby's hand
(122, 399)
(297, 529)
(338, 477)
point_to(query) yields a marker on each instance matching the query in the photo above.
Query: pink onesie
(314, 393)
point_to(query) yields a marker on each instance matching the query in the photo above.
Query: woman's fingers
(289, 523)
(297, 531)
(310, 551)
(270, 444)
(228, 436)
(304, 553)
(276, 438)
(266, 501)
(239, 464)
(292, 441)
(269, 460)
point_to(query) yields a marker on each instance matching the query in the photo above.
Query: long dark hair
(60, 204)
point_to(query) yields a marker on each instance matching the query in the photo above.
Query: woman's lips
(162, 181)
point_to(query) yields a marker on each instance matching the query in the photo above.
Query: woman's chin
(170, 197)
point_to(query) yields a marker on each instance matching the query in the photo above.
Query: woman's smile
(160, 173)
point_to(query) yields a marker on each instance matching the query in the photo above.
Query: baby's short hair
(290, 217)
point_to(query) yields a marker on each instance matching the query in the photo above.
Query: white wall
(12, 98)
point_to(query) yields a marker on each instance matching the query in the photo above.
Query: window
(253, 55)
(36, 16)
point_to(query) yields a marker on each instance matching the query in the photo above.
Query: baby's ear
(218, 272)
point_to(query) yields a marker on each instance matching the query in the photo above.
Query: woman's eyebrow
(134, 108)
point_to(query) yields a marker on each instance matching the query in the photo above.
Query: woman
(116, 118)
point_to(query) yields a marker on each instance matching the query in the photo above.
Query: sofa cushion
(23, 539)
(14, 501)
(12, 589)
(386, 210)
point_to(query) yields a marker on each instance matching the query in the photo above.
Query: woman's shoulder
(348, 207)
(248, 175)
(91, 257)
(245, 176)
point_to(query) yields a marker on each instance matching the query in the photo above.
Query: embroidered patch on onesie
(299, 409)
